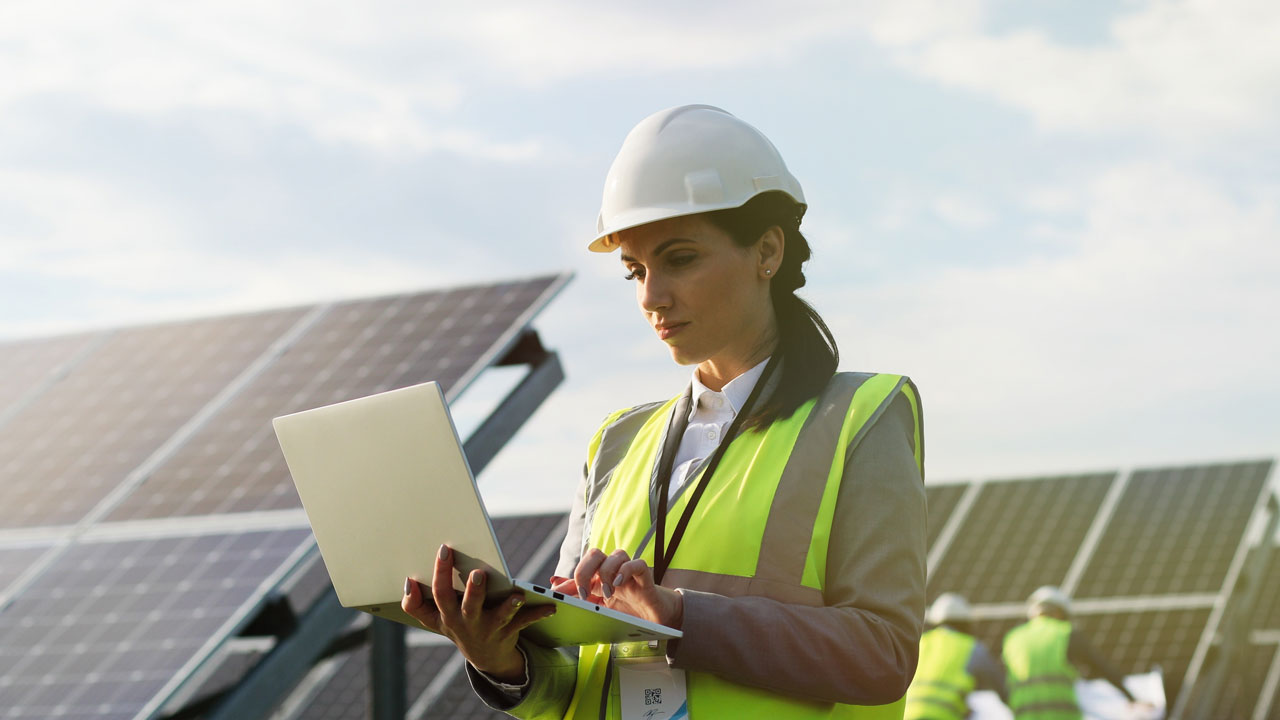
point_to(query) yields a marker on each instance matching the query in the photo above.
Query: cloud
(962, 212)
(1157, 319)
(343, 73)
(120, 257)
(1181, 68)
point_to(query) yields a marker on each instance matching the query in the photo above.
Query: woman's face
(705, 297)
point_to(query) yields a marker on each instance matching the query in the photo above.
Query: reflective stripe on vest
(1041, 678)
(942, 680)
(778, 524)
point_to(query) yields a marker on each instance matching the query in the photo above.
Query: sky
(1061, 218)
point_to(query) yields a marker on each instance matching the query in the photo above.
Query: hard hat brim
(634, 218)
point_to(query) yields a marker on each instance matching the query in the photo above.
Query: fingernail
(408, 585)
(608, 591)
(477, 577)
(582, 593)
(618, 580)
(444, 552)
(517, 602)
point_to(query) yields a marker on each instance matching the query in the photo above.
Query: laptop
(384, 482)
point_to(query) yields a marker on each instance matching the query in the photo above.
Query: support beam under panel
(285, 666)
(545, 374)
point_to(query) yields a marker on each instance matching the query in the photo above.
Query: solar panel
(106, 627)
(356, 349)
(71, 445)
(1019, 535)
(942, 501)
(16, 560)
(28, 366)
(1245, 690)
(173, 420)
(1175, 531)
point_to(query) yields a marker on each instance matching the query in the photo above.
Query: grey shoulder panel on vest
(845, 384)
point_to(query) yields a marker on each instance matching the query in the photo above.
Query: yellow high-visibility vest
(942, 680)
(737, 542)
(1041, 678)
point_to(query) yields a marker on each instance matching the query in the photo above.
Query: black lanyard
(662, 556)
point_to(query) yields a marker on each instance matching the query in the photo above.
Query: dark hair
(805, 345)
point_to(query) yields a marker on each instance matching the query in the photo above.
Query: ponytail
(805, 347)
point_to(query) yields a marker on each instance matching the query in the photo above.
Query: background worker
(773, 510)
(953, 663)
(1041, 657)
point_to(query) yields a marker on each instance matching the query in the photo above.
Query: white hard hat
(949, 607)
(687, 160)
(1047, 595)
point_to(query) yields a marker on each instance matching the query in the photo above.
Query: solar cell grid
(941, 500)
(1018, 536)
(26, 365)
(345, 696)
(1244, 689)
(109, 624)
(1137, 642)
(15, 561)
(232, 666)
(1175, 531)
(357, 348)
(1134, 642)
(1267, 613)
(78, 439)
(459, 702)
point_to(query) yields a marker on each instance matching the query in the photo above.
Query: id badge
(651, 690)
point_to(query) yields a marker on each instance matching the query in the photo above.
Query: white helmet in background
(949, 607)
(687, 160)
(1050, 596)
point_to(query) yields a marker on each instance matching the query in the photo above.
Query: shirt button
(711, 434)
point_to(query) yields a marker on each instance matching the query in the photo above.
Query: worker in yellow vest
(1041, 656)
(773, 511)
(953, 663)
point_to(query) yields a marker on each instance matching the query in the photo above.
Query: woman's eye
(680, 259)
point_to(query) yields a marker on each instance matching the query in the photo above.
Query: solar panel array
(1027, 526)
(149, 516)
(1150, 557)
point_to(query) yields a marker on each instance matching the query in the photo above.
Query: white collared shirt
(710, 413)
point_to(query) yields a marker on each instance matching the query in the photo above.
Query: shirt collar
(736, 391)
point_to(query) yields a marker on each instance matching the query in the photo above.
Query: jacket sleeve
(987, 671)
(1082, 652)
(862, 647)
(552, 673)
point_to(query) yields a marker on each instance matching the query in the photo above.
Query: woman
(799, 578)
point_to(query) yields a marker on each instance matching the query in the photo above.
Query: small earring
(767, 271)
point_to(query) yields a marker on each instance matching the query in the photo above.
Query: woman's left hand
(620, 583)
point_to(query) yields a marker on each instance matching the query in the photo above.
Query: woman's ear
(770, 246)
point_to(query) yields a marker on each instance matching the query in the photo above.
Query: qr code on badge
(653, 696)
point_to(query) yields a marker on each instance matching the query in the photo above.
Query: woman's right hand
(485, 636)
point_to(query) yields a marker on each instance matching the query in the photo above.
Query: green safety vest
(1041, 678)
(763, 504)
(942, 680)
